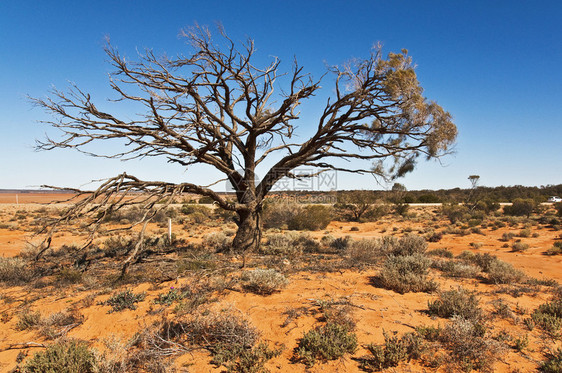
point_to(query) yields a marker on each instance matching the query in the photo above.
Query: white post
(17, 199)
(170, 231)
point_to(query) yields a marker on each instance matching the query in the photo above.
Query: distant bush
(558, 208)
(264, 281)
(556, 249)
(327, 342)
(407, 274)
(520, 207)
(63, 357)
(519, 246)
(312, 218)
(525, 233)
(278, 215)
(454, 212)
(442, 252)
(459, 302)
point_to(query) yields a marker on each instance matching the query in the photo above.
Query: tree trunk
(248, 237)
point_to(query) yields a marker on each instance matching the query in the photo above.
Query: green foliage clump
(521, 207)
(63, 357)
(519, 246)
(239, 359)
(548, 316)
(124, 300)
(407, 274)
(327, 342)
(554, 362)
(394, 351)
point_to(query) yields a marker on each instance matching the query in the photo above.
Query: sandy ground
(374, 309)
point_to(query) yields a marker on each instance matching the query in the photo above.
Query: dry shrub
(500, 272)
(442, 252)
(59, 324)
(15, 271)
(548, 316)
(218, 242)
(468, 345)
(553, 364)
(371, 250)
(289, 244)
(457, 269)
(410, 244)
(278, 215)
(407, 274)
(311, 218)
(456, 302)
(263, 281)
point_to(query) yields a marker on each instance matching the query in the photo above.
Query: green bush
(554, 362)
(218, 242)
(63, 357)
(327, 342)
(459, 302)
(278, 215)
(371, 250)
(123, 300)
(312, 218)
(407, 274)
(520, 207)
(548, 316)
(457, 269)
(392, 352)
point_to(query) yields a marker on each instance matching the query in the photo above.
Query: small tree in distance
(216, 107)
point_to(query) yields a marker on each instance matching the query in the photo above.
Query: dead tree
(216, 107)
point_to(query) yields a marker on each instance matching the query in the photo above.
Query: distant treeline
(456, 195)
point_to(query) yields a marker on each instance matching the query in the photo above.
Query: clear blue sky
(495, 65)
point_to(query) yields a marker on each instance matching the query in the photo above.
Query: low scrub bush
(278, 215)
(441, 252)
(553, 364)
(394, 351)
(28, 319)
(63, 357)
(457, 269)
(519, 246)
(548, 316)
(124, 300)
(456, 302)
(556, 249)
(311, 218)
(327, 342)
(407, 274)
(500, 272)
(15, 271)
(263, 281)
(409, 244)
(289, 244)
(466, 341)
(218, 242)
